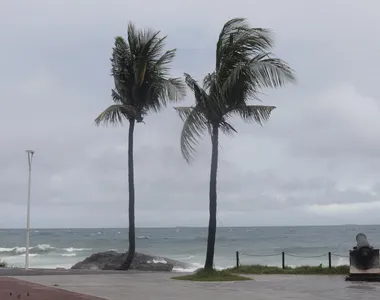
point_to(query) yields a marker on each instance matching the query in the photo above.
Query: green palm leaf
(253, 113)
(244, 66)
(140, 67)
(195, 124)
(116, 114)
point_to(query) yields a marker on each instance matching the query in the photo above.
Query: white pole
(30, 157)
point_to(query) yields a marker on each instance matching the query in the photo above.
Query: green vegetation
(140, 68)
(244, 67)
(302, 270)
(212, 275)
(3, 264)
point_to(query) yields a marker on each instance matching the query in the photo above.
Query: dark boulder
(111, 260)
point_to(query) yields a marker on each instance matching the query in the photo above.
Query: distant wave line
(40, 249)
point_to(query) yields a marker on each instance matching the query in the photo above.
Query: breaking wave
(69, 254)
(192, 268)
(71, 249)
(41, 249)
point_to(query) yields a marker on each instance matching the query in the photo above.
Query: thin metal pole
(30, 157)
(237, 260)
(329, 260)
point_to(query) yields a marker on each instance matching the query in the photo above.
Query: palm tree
(244, 66)
(140, 69)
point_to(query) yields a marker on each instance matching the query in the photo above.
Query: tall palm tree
(140, 69)
(244, 66)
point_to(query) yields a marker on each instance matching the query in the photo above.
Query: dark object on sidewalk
(364, 261)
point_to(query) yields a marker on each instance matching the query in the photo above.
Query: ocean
(52, 248)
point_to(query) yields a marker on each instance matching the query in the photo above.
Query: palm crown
(140, 70)
(244, 66)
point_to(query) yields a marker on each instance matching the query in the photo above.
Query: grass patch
(212, 275)
(303, 270)
(3, 264)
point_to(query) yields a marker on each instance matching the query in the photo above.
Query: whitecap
(191, 269)
(44, 248)
(159, 261)
(14, 250)
(30, 254)
(69, 254)
(71, 249)
(143, 237)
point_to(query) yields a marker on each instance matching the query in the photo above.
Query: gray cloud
(315, 162)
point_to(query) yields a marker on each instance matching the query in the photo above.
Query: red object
(11, 288)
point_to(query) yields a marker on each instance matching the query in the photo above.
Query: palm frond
(184, 111)
(195, 124)
(225, 33)
(253, 113)
(175, 89)
(227, 128)
(156, 51)
(121, 62)
(150, 49)
(115, 114)
(247, 79)
(208, 81)
(117, 98)
(212, 104)
(140, 68)
(237, 42)
(162, 63)
(133, 38)
(199, 93)
(121, 53)
(270, 72)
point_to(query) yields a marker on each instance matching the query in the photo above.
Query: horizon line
(184, 226)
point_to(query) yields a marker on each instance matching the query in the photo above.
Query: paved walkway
(157, 286)
(11, 288)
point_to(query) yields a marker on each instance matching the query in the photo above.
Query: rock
(111, 260)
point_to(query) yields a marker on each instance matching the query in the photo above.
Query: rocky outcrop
(111, 260)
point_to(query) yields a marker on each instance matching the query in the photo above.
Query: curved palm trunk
(209, 264)
(131, 209)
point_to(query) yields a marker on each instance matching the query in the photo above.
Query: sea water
(52, 248)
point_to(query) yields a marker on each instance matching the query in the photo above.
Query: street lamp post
(30, 157)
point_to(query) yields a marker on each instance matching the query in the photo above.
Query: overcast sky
(316, 162)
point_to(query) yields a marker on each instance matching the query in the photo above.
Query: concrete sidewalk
(157, 286)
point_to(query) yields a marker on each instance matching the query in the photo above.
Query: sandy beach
(147, 285)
